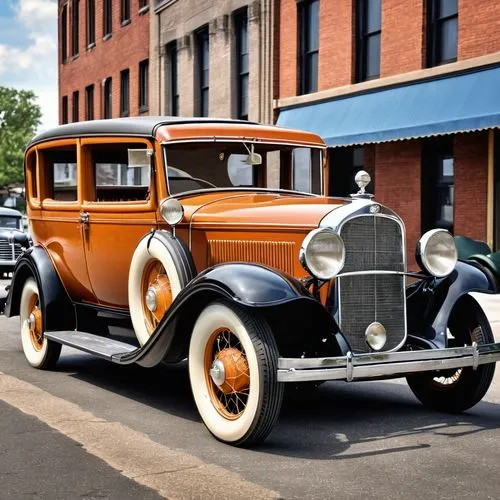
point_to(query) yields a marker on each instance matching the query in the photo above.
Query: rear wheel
(233, 371)
(457, 390)
(39, 351)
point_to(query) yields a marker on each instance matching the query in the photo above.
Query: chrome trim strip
(356, 273)
(374, 365)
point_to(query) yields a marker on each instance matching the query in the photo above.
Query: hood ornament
(362, 179)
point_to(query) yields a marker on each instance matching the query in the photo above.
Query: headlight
(437, 252)
(172, 211)
(322, 253)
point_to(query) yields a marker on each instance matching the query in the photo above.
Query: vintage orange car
(215, 241)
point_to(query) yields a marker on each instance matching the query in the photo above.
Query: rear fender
(57, 308)
(300, 324)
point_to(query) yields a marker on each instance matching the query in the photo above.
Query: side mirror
(139, 158)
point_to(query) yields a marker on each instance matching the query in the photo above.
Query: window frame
(107, 23)
(125, 12)
(125, 92)
(144, 86)
(173, 77)
(203, 79)
(75, 28)
(363, 38)
(435, 24)
(89, 102)
(308, 83)
(64, 34)
(64, 110)
(107, 107)
(75, 107)
(242, 66)
(90, 14)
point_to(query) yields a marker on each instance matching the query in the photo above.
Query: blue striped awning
(459, 103)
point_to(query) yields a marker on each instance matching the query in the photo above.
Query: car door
(55, 208)
(119, 208)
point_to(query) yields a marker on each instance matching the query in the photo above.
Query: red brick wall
(478, 28)
(288, 49)
(127, 46)
(470, 153)
(336, 41)
(398, 185)
(402, 36)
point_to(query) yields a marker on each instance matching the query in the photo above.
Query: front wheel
(233, 371)
(459, 389)
(40, 352)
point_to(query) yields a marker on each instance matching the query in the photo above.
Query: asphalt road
(91, 429)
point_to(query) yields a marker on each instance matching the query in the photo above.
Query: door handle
(84, 217)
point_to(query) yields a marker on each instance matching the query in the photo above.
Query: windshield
(197, 166)
(9, 222)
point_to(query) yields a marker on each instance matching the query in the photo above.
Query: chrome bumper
(375, 365)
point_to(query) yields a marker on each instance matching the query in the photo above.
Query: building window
(108, 18)
(124, 92)
(173, 86)
(144, 85)
(125, 11)
(442, 25)
(143, 4)
(64, 113)
(89, 102)
(203, 51)
(90, 22)
(64, 34)
(242, 67)
(308, 23)
(75, 6)
(108, 95)
(437, 184)
(368, 40)
(76, 106)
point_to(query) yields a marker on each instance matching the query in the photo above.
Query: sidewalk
(491, 306)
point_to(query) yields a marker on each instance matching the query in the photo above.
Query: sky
(28, 52)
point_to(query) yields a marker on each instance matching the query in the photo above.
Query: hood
(14, 235)
(264, 209)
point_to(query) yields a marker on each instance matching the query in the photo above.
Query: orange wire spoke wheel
(35, 323)
(227, 373)
(156, 294)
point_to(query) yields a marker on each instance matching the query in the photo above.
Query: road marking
(172, 473)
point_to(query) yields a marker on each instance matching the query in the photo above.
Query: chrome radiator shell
(373, 242)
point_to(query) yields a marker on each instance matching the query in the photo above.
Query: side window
(116, 175)
(31, 168)
(58, 171)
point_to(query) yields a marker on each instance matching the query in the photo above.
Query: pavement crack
(169, 471)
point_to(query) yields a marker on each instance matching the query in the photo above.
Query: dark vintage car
(217, 241)
(13, 239)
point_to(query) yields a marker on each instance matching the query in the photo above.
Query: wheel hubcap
(218, 373)
(151, 300)
(34, 323)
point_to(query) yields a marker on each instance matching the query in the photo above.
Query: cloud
(33, 64)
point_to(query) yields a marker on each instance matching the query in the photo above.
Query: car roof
(184, 127)
(145, 126)
(10, 211)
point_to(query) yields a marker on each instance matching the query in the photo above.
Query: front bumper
(377, 365)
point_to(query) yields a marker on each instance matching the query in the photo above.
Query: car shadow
(323, 423)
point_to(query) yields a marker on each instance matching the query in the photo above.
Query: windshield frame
(242, 141)
(16, 218)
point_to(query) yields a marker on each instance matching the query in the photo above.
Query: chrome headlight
(322, 253)
(437, 252)
(172, 211)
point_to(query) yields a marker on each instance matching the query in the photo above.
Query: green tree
(19, 119)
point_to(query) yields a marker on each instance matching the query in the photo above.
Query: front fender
(299, 322)
(57, 309)
(430, 302)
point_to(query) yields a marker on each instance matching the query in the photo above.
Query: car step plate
(93, 344)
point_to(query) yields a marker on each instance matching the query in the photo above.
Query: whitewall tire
(152, 269)
(240, 401)
(39, 352)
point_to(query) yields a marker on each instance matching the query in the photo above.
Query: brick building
(103, 59)
(408, 90)
(212, 58)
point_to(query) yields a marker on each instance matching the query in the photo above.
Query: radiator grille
(6, 252)
(372, 243)
(277, 254)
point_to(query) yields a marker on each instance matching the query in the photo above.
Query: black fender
(58, 311)
(431, 301)
(301, 324)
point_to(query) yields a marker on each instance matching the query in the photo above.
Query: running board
(103, 347)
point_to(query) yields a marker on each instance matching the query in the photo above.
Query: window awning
(459, 103)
